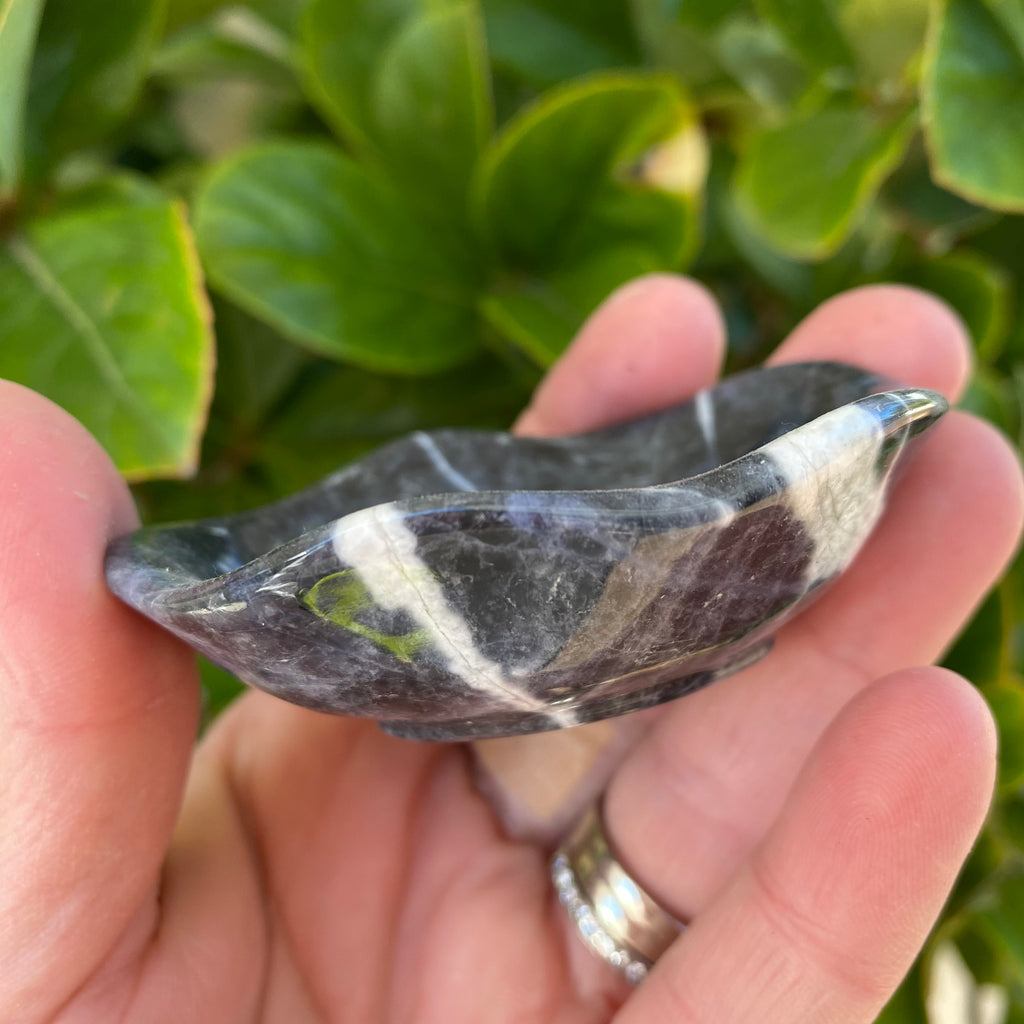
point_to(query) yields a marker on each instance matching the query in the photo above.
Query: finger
(729, 754)
(97, 715)
(906, 334)
(830, 911)
(723, 759)
(653, 343)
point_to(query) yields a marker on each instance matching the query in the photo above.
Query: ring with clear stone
(615, 917)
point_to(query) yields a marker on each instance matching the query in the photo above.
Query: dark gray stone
(465, 583)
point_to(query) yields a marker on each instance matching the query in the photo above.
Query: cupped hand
(807, 816)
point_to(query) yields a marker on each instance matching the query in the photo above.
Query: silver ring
(614, 916)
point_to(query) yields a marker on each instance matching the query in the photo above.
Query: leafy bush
(403, 209)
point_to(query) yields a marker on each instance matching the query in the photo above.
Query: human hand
(808, 816)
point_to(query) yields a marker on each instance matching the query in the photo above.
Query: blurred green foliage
(400, 211)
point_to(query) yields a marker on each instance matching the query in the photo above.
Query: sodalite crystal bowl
(465, 583)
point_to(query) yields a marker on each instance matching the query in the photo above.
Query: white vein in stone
(704, 410)
(441, 463)
(382, 550)
(834, 483)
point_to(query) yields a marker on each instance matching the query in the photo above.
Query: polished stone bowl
(466, 583)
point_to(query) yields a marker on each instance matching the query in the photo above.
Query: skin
(808, 815)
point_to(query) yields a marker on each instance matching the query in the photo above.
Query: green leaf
(338, 413)
(755, 56)
(971, 88)
(928, 212)
(432, 103)
(98, 185)
(19, 21)
(90, 60)
(220, 688)
(1010, 819)
(978, 955)
(232, 45)
(977, 287)
(862, 39)
(811, 28)
(1007, 702)
(708, 14)
(549, 41)
(609, 162)
(280, 15)
(1001, 921)
(669, 43)
(599, 181)
(541, 316)
(806, 185)
(404, 81)
(256, 371)
(340, 46)
(181, 13)
(978, 654)
(975, 881)
(338, 260)
(990, 395)
(103, 311)
(885, 37)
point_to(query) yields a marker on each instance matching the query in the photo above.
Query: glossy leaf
(106, 188)
(975, 881)
(340, 46)
(338, 259)
(874, 42)
(990, 395)
(540, 316)
(220, 688)
(672, 45)
(979, 956)
(257, 369)
(548, 41)
(811, 28)
(229, 46)
(1007, 702)
(885, 38)
(757, 58)
(708, 14)
(181, 13)
(90, 60)
(280, 15)
(432, 102)
(1001, 921)
(284, 15)
(804, 186)
(978, 652)
(976, 286)
(375, 409)
(608, 162)
(405, 81)
(19, 21)
(103, 311)
(927, 210)
(971, 90)
(1010, 819)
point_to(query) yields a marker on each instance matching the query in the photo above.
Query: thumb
(97, 716)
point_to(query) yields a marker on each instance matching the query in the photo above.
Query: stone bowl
(465, 583)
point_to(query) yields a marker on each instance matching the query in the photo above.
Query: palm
(392, 893)
(808, 819)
